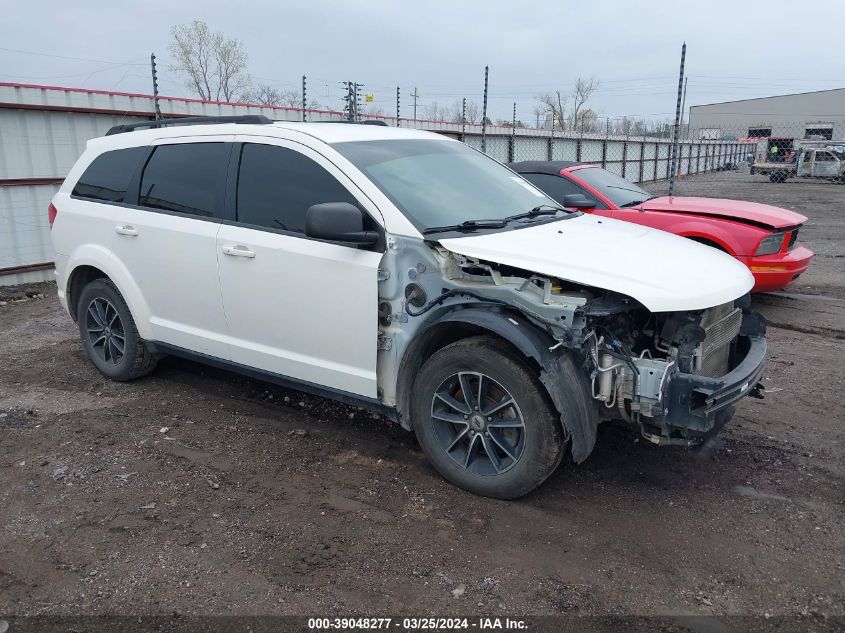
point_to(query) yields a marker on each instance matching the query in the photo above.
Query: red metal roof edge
(7, 84)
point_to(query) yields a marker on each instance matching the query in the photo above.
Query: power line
(79, 59)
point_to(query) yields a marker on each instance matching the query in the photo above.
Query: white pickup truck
(813, 162)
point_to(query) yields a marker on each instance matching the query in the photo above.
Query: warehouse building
(816, 115)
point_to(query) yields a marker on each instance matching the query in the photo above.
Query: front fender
(565, 382)
(102, 259)
(735, 238)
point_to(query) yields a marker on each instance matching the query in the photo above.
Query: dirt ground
(197, 491)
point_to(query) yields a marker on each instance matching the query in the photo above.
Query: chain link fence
(705, 157)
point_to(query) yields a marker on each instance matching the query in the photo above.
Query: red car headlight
(770, 245)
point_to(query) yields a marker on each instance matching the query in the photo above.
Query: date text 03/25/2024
(417, 624)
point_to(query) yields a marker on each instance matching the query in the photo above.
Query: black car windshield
(621, 192)
(438, 183)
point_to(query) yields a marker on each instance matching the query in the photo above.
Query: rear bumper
(776, 272)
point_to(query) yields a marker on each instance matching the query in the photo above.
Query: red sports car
(762, 237)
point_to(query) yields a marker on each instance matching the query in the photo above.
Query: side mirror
(338, 222)
(578, 201)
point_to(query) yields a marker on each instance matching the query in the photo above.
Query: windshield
(621, 192)
(438, 183)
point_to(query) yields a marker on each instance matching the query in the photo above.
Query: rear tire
(484, 419)
(777, 176)
(109, 335)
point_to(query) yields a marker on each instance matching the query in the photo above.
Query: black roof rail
(256, 119)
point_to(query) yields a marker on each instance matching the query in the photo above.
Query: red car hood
(739, 210)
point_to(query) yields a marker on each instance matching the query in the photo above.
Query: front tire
(109, 335)
(484, 420)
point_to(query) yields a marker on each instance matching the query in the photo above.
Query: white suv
(404, 271)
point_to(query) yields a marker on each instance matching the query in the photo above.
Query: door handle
(125, 229)
(238, 251)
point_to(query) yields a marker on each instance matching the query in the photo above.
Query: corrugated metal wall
(43, 130)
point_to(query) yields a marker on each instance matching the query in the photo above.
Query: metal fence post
(549, 147)
(656, 158)
(484, 114)
(698, 158)
(512, 141)
(155, 85)
(671, 166)
(624, 155)
(642, 159)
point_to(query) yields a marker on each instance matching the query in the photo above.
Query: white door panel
(301, 308)
(173, 260)
(170, 246)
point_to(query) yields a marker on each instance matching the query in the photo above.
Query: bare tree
(433, 111)
(539, 111)
(214, 66)
(555, 104)
(473, 112)
(456, 111)
(581, 92)
(267, 95)
(589, 120)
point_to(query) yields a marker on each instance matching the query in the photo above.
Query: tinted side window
(276, 186)
(558, 187)
(107, 178)
(185, 178)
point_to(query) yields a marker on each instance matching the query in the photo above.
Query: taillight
(51, 214)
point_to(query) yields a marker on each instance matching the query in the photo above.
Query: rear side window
(276, 186)
(185, 178)
(108, 177)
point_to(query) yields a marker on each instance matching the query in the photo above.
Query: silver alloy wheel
(478, 423)
(105, 331)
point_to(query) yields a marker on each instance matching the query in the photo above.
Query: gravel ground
(196, 491)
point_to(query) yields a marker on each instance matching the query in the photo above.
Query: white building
(807, 115)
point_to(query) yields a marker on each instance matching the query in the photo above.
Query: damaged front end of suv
(509, 325)
(673, 374)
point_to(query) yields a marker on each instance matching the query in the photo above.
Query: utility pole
(674, 168)
(358, 90)
(684, 106)
(355, 101)
(397, 106)
(349, 108)
(464, 119)
(304, 102)
(155, 85)
(415, 96)
(484, 113)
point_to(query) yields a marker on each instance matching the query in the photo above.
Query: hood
(664, 272)
(750, 212)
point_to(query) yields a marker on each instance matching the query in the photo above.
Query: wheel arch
(731, 239)
(709, 241)
(89, 264)
(555, 368)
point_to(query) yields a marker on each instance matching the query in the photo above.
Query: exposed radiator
(721, 326)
